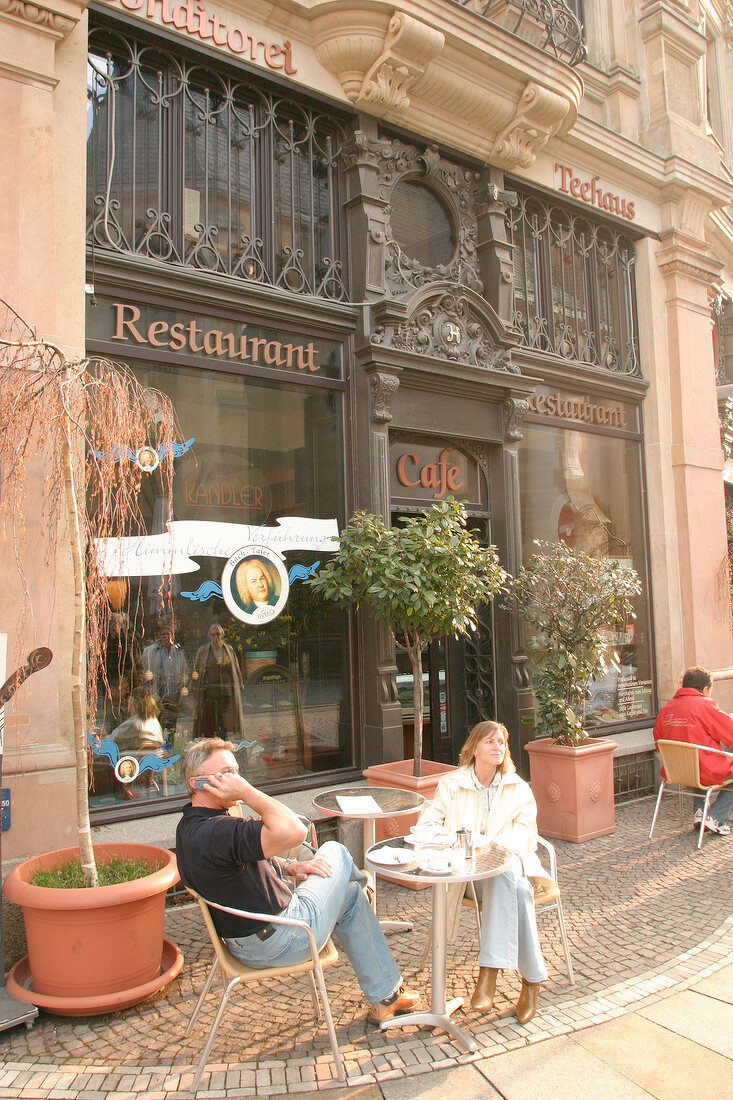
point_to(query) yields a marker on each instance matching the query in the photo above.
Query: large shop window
(586, 489)
(198, 167)
(574, 285)
(200, 652)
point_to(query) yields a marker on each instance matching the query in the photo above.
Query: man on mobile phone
(234, 862)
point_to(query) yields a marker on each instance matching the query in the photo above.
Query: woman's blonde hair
(485, 729)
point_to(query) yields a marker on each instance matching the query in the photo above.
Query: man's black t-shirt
(221, 858)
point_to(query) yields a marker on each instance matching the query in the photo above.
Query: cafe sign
(430, 472)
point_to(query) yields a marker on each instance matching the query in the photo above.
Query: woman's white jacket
(512, 819)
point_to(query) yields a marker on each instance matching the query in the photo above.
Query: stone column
(42, 213)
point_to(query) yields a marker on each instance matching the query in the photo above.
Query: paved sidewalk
(651, 937)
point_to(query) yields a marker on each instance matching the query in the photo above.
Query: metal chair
(681, 762)
(236, 973)
(547, 898)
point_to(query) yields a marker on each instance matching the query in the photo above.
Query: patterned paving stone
(644, 920)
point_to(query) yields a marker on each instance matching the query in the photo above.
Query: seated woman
(486, 795)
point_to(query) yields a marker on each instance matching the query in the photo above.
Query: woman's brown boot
(483, 994)
(527, 1003)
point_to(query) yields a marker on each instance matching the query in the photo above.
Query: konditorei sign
(204, 23)
(591, 192)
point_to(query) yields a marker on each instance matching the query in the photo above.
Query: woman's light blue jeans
(509, 939)
(336, 904)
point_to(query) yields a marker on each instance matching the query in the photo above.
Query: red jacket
(693, 717)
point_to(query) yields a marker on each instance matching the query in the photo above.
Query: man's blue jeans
(722, 808)
(336, 904)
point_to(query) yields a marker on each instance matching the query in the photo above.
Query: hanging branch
(82, 422)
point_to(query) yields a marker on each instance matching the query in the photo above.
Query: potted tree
(95, 431)
(574, 603)
(421, 581)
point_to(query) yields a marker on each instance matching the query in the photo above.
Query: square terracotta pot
(573, 788)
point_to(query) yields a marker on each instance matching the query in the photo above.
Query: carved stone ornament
(409, 47)
(382, 388)
(446, 324)
(540, 114)
(40, 15)
(515, 410)
(395, 161)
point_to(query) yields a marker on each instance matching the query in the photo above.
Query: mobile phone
(200, 782)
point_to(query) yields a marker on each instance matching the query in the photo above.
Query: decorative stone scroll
(42, 15)
(539, 115)
(409, 47)
(382, 388)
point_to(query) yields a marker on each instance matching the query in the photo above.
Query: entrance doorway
(459, 686)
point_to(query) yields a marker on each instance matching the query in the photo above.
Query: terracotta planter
(258, 659)
(399, 774)
(93, 951)
(573, 788)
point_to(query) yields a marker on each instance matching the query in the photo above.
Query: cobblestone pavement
(644, 920)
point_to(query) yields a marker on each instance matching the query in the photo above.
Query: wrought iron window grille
(574, 286)
(552, 25)
(193, 166)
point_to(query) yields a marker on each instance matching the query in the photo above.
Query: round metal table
(488, 862)
(392, 803)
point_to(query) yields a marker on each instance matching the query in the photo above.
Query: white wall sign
(171, 552)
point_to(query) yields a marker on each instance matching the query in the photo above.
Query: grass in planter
(118, 869)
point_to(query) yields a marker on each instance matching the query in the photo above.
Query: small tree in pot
(94, 432)
(421, 581)
(574, 602)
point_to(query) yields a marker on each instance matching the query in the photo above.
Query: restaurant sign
(138, 326)
(581, 408)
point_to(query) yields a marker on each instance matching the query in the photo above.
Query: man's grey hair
(198, 752)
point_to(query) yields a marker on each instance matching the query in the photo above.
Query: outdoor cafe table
(390, 802)
(492, 860)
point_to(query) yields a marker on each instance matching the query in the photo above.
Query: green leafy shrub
(421, 581)
(574, 603)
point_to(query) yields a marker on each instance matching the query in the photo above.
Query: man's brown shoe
(404, 1000)
(527, 1003)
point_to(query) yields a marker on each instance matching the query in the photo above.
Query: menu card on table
(358, 804)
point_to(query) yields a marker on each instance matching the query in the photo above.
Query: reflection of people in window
(142, 730)
(218, 688)
(254, 585)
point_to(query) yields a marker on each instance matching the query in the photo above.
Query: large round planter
(573, 788)
(92, 951)
(257, 659)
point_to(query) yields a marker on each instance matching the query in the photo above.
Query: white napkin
(388, 854)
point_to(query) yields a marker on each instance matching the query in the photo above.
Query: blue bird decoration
(204, 592)
(302, 572)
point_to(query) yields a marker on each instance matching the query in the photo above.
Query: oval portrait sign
(255, 584)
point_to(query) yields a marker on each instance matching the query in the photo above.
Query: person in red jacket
(692, 716)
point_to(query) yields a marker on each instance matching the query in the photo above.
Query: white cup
(436, 857)
(423, 834)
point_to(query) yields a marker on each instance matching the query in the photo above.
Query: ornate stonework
(515, 410)
(60, 22)
(446, 324)
(539, 115)
(408, 48)
(382, 388)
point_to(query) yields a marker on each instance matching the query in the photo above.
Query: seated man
(692, 716)
(232, 861)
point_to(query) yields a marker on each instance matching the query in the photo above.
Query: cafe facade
(376, 258)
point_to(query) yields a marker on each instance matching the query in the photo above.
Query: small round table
(392, 803)
(488, 862)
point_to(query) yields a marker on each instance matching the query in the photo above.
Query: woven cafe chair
(236, 973)
(547, 899)
(681, 762)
